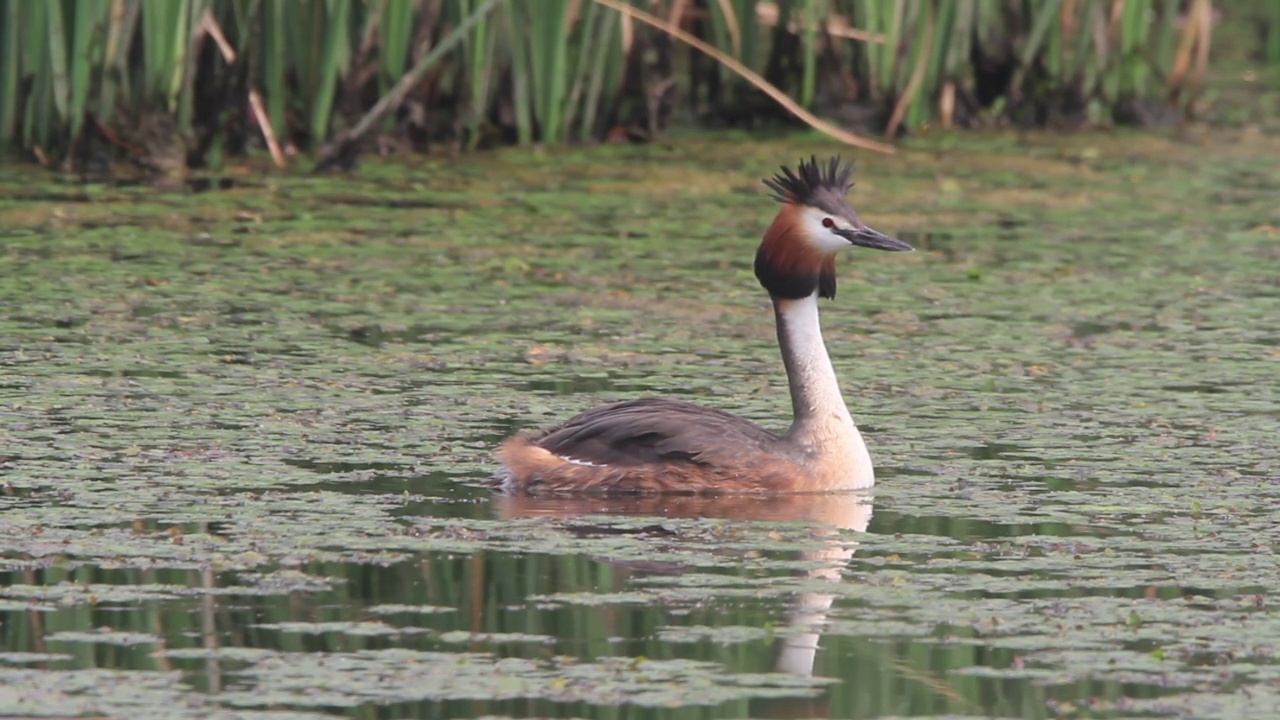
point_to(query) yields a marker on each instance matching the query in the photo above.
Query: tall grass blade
(274, 50)
(1081, 67)
(57, 59)
(813, 17)
(480, 59)
(10, 65)
(521, 77)
(1045, 15)
(581, 72)
(909, 105)
(748, 21)
(729, 33)
(122, 22)
(87, 36)
(1272, 50)
(937, 69)
(548, 46)
(335, 57)
(185, 69)
(889, 71)
(604, 69)
(40, 114)
(884, 18)
(1161, 49)
(1055, 41)
(159, 18)
(1134, 24)
(395, 33)
(726, 16)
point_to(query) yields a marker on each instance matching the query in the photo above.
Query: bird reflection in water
(828, 518)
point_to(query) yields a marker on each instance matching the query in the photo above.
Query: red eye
(828, 223)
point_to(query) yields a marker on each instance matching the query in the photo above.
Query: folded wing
(655, 430)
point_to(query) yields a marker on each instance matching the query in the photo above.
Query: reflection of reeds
(936, 685)
(554, 70)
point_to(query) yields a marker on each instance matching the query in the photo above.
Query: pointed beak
(874, 239)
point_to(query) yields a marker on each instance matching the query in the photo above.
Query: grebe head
(797, 255)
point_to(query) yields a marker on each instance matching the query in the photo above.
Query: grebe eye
(828, 223)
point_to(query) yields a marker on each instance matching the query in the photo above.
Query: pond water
(242, 434)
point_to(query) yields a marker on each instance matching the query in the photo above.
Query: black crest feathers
(812, 183)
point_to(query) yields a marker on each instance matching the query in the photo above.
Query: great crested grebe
(672, 446)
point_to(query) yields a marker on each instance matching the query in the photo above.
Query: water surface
(241, 433)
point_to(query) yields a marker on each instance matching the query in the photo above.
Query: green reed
(558, 70)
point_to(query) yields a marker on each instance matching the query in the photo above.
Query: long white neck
(822, 425)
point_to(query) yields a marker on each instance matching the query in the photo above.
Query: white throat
(822, 424)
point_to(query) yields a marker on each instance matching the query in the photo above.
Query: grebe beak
(874, 239)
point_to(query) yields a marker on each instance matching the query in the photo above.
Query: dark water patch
(1001, 451)
(391, 203)
(210, 184)
(143, 311)
(331, 467)
(52, 197)
(884, 473)
(1216, 388)
(594, 383)
(377, 335)
(943, 242)
(1002, 317)
(210, 240)
(1088, 329)
(889, 522)
(135, 373)
(1162, 591)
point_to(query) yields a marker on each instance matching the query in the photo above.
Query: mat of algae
(241, 433)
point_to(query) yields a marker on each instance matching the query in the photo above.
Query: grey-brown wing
(655, 430)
